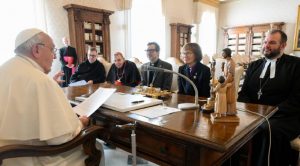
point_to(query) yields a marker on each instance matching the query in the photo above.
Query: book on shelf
(87, 25)
(98, 48)
(98, 27)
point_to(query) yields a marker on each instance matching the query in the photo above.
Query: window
(147, 25)
(205, 31)
(15, 15)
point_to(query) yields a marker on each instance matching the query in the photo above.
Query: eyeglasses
(93, 56)
(150, 50)
(53, 50)
(186, 53)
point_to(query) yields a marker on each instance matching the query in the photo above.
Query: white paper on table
(78, 83)
(123, 102)
(92, 103)
(155, 111)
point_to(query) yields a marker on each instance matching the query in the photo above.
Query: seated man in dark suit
(92, 71)
(274, 80)
(123, 72)
(153, 78)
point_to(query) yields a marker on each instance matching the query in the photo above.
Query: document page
(155, 111)
(78, 83)
(92, 103)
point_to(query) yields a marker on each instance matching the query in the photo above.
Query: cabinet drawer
(163, 147)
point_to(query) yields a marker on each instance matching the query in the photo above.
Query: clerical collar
(272, 68)
(155, 63)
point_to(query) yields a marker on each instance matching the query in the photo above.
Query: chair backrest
(295, 144)
(205, 59)
(107, 67)
(87, 138)
(175, 65)
(105, 63)
(218, 67)
(136, 61)
(239, 70)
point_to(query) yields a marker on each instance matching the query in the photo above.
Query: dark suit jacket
(131, 75)
(200, 76)
(67, 51)
(87, 71)
(161, 80)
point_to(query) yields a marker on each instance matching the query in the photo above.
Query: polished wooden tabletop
(192, 125)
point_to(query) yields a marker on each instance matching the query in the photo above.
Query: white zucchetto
(25, 35)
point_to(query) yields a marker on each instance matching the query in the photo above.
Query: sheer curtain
(205, 31)
(147, 25)
(15, 16)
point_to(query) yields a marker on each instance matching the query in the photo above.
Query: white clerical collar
(36, 65)
(272, 68)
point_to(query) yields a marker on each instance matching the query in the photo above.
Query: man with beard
(123, 72)
(274, 80)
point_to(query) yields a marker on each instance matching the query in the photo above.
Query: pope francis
(34, 110)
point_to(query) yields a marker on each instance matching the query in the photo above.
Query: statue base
(222, 118)
(207, 110)
(209, 106)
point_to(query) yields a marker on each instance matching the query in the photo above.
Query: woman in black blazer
(191, 55)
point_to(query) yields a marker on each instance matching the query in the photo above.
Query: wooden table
(182, 138)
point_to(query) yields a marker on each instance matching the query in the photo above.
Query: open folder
(127, 102)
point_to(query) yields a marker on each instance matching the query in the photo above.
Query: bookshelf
(180, 35)
(248, 40)
(89, 27)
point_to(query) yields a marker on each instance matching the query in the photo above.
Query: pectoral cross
(259, 93)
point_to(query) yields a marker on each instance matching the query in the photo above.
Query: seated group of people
(34, 109)
(124, 72)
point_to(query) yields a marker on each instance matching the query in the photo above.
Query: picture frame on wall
(297, 32)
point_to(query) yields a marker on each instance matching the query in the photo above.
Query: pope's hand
(84, 120)
(57, 77)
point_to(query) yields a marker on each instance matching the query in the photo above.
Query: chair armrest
(87, 137)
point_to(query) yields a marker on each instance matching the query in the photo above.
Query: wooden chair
(87, 138)
(105, 63)
(295, 144)
(176, 63)
(239, 70)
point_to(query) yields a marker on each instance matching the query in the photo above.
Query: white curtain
(205, 31)
(147, 24)
(17, 15)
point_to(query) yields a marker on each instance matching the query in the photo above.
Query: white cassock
(35, 111)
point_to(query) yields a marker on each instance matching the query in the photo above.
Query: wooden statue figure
(221, 108)
(229, 71)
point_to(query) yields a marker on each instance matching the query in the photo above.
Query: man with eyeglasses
(34, 109)
(156, 79)
(92, 71)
